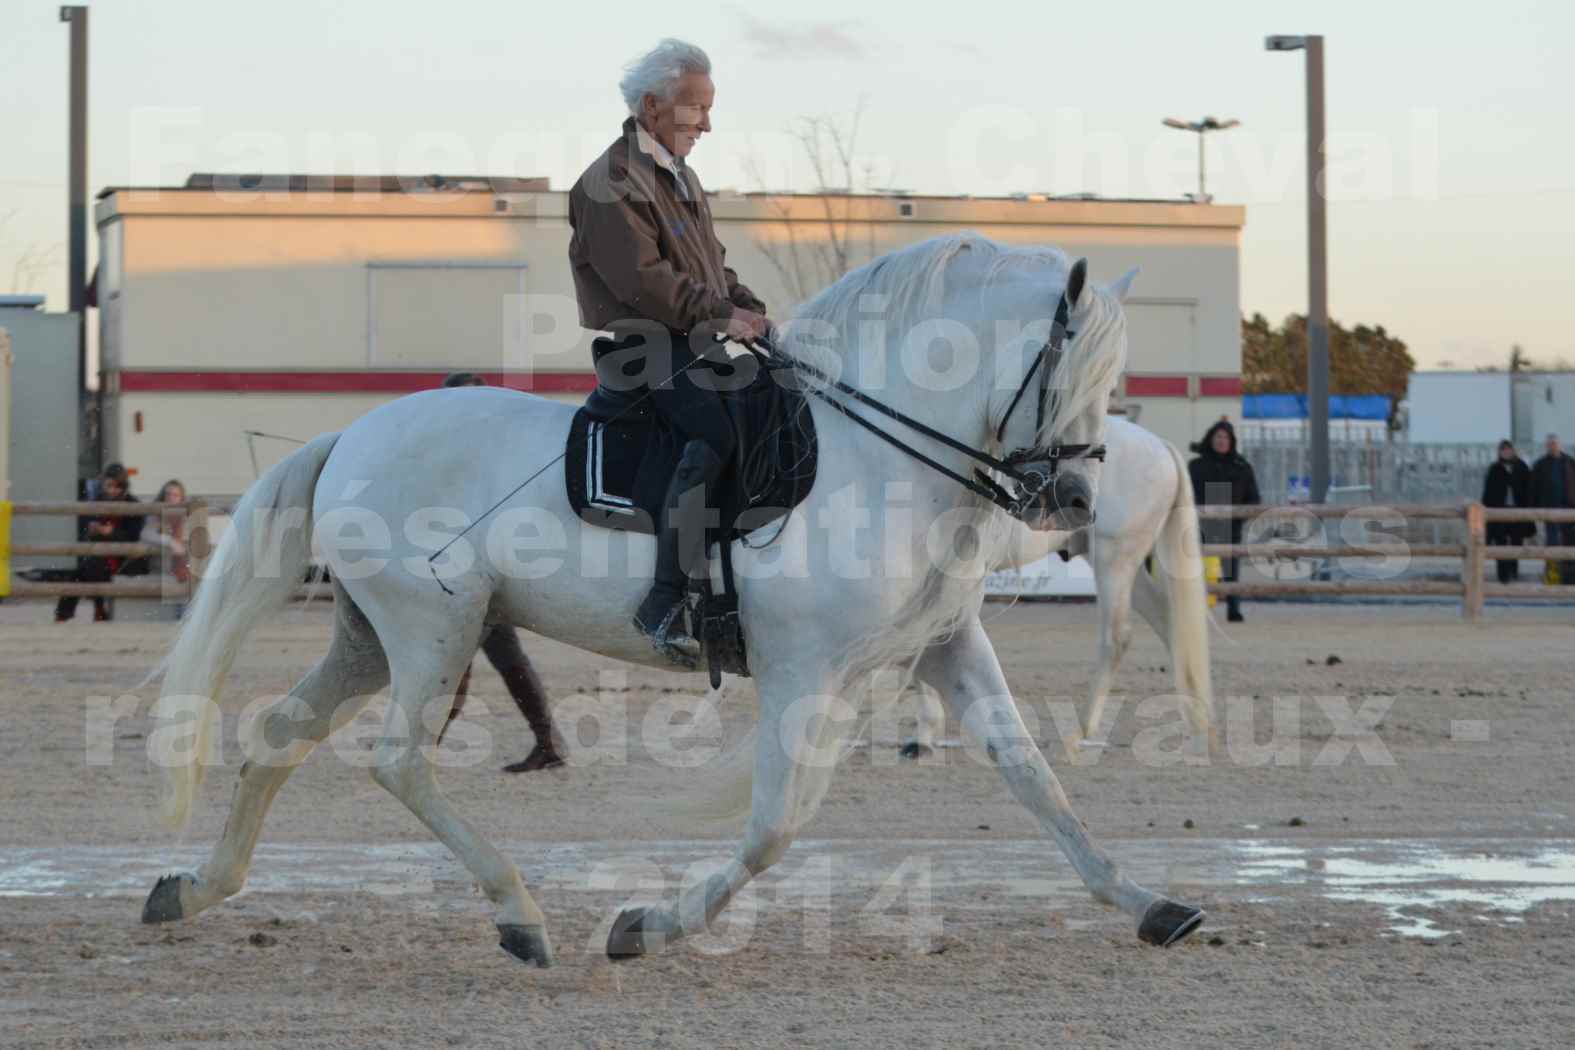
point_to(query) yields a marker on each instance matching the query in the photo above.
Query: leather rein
(1032, 470)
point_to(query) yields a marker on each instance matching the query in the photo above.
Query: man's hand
(746, 326)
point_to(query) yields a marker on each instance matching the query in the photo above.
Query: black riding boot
(680, 550)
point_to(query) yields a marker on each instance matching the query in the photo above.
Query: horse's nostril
(1079, 503)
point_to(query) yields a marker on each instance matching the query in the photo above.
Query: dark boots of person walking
(502, 646)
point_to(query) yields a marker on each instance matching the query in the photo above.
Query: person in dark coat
(1221, 475)
(501, 644)
(1553, 486)
(1508, 484)
(112, 486)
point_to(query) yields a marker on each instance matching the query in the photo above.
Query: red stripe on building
(162, 382)
(133, 381)
(1156, 386)
(1219, 386)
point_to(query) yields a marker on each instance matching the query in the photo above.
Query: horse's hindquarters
(440, 464)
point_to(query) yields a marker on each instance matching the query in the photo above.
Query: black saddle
(621, 454)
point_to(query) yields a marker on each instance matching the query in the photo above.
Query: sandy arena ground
(925, 910)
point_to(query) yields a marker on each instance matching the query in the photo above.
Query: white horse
(853, 586)
(1143, 506)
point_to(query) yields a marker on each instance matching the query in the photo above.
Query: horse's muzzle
(1071, 503)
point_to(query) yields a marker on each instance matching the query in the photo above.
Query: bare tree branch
(831, 148)
(32, 263)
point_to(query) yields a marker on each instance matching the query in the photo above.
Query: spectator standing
(1553, 487)
(1222, 476)
(1508, 484)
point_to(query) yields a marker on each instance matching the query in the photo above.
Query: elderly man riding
(649, 269)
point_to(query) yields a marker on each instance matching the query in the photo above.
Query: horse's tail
(260, 562)
(1180, 608)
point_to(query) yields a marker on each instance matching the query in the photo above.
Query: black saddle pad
(621, 454)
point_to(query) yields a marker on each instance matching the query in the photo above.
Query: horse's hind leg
(427, 665)
(281, 738)
(929, 720)
(1116, 565)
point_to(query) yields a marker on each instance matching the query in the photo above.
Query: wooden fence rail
(1474, 554)
(1471, 588)
(198, 549)
(1413, 511)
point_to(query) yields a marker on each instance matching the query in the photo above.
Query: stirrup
(670, 640)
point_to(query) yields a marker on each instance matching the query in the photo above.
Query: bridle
(1031, 470)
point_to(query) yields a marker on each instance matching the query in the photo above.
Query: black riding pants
(690, 400)
(89, 570)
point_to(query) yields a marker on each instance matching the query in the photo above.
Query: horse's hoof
(163, 904)
(914, 749)
(528, 944)
(629, 937)
(1167, 922)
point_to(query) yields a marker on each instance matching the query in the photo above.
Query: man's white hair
(658, 71)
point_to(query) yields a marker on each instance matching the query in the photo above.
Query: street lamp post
(1317, 263)
(1201, 128)
(90, 459)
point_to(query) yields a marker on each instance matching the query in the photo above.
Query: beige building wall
(294, 313)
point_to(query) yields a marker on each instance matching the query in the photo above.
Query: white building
(293, 306)
(1487, 407)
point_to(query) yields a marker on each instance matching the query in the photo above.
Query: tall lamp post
(1201, 128)
(90, 459)
(1317, 263)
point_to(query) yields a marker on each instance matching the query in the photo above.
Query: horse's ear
(1075, 282)
(1123, 288)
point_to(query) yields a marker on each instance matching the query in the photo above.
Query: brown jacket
(640, 251)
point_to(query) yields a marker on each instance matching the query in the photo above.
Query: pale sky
(1452, 215)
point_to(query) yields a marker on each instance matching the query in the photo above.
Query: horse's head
(1061, 446)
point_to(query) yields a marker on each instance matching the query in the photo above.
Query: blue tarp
(1294, 406)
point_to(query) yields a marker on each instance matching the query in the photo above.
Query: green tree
(1362, 360)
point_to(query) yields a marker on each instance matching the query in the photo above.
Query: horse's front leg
(965, 671)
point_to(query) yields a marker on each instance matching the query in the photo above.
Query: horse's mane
(911, 285)
(911, 282)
